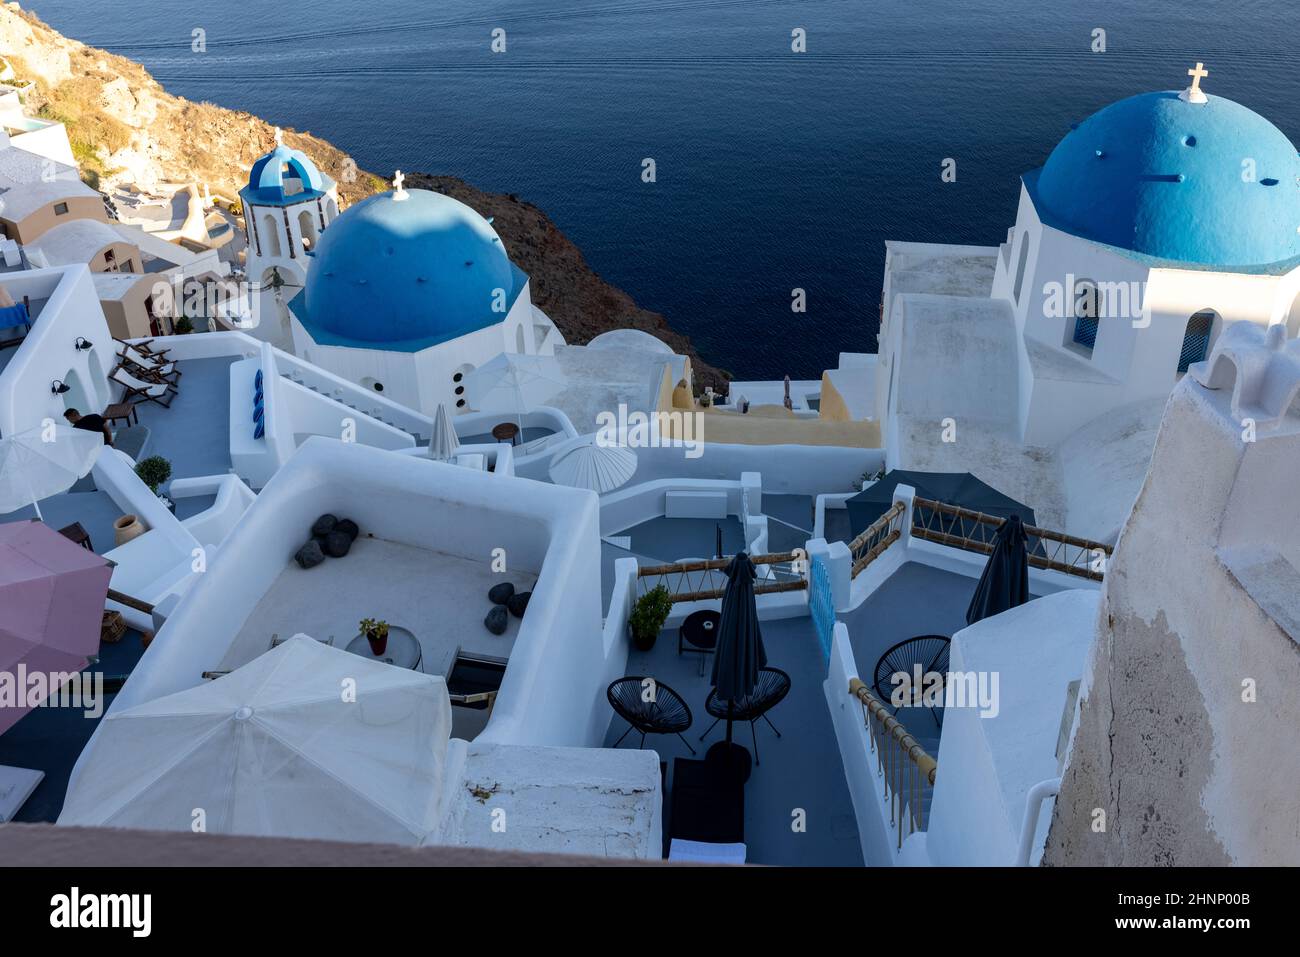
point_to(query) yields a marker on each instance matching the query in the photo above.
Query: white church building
(1151, 225)
(408, 292)
(1042, 365)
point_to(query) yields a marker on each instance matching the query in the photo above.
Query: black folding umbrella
(1005, 582)
(739, 653)
(955, 488)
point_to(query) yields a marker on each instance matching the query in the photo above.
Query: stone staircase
(342, 398)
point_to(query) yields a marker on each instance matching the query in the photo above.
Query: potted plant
(648, 616)
(376, 632)
(153, 472)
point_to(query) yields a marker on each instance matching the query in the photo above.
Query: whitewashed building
(409, 292)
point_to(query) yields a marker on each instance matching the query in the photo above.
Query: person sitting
(91, 423)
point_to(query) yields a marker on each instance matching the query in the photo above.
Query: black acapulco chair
(773, 686)
(928, 651)
(665, 713)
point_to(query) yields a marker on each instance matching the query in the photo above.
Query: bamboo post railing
(927, 512)
(906, 768)
(129, 602)
(878, 536)
(705, 568)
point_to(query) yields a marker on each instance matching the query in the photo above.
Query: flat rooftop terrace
(916, 600)
(800, 769)
(440, 598)
(193, 433)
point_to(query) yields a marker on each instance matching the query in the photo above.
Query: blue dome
(266, 180)
(406, 274)
(1165, 178)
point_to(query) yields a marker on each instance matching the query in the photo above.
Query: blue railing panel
(821, 605)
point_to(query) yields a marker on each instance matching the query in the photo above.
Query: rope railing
(706, 579)
(878, 536)
(1048, 549)
(904, 766)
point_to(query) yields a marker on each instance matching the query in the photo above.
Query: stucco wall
(35, 224)
(1185, 771)
(48, 352)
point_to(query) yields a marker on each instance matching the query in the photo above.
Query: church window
(1087, 314)
(1196, 339)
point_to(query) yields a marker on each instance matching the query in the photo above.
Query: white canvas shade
(276, 749)
(601, 468)
(37, 463)
(514, 383)
(443, 441)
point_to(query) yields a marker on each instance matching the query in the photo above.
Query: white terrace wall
(546, 529)
(48, 352)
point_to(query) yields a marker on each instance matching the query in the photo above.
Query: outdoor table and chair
(403, 649)
(122, 412)
(773, 686)
(665, 713)
(506, 432)
(699, 634)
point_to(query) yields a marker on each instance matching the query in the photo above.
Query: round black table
(700, 632)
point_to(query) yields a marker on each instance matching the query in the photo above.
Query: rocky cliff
(128, 132)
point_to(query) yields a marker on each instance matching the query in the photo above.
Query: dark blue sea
(775, 170)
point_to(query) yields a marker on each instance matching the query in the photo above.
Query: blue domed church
(1043, 363)
(410, 290)
(1151, 225)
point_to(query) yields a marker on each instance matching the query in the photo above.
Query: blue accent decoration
(404, 275)
(258, 412)
(1085, 331)
(257, 396)
(270, 174)
(1158, 177)
(821, 605)
(257, 381)
(14, 316)
(1196, 340)
(259, 430)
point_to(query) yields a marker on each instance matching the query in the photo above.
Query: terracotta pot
(377, 645)
(127, 527)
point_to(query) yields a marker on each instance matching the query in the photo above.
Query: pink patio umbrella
(52, 592)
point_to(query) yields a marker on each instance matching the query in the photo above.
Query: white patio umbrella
(601, 468)
(515, 383)
(38, 463)
(443, 441)
(304, 741)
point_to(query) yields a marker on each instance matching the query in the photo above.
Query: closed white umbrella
(304, 741)
(443, 441)
(601, 468)
(41, 462)
(514, 382)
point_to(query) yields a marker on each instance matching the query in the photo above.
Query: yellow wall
(832, 406)
(776, 425)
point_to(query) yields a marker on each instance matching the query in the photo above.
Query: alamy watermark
(25, 689)
(1096, 300)
(678, 429)
(920, 688)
